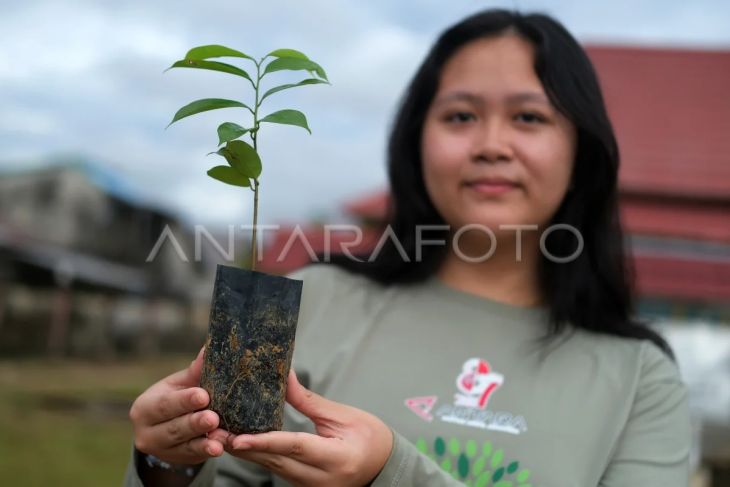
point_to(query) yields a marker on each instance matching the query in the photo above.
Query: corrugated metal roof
(671, 112)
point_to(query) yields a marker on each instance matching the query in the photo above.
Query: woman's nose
(491, 143)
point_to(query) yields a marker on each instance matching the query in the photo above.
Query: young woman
(504, 355)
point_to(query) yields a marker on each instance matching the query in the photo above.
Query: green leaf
(310, 81)
(288, 53)
(513, 467)
(498, 474)
(228, 131)
(463, 465)
(483, 479)
(523, 475)
(205, 105)
(242, 157)
(471, 448)
(497, 458)
(288, 117)
(295, 64)
(478, 466)
(454, 446)
(212, 66)
(214, 50)
(439, 446)
(229, 175)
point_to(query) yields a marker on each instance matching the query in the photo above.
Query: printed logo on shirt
(476, 384)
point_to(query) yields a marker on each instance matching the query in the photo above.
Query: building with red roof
(671, 112)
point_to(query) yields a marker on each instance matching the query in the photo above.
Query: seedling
(253, 315)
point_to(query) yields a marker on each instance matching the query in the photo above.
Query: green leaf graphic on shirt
(463, 466)
(439, 446)
(483, 479)
(421, 445)
(487, 448)
(497, 458)
(471, 448)
(523, 476)
(478, 466)
(454, 446)
(469, 467)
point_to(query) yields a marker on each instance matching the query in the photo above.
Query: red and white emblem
(477, 382)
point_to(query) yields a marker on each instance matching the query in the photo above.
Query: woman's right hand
(170, 421)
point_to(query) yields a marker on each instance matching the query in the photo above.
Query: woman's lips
(491, 187)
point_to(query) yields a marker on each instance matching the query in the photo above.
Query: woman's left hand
(350, 448)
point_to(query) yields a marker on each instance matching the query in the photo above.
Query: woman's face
(494, 150)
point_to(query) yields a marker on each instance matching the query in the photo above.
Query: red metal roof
(680, 278)
(672, 218)
(671, 112)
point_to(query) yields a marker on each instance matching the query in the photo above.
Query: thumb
(189, 377)
(307, 402)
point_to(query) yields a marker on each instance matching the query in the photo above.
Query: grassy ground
(65, 423)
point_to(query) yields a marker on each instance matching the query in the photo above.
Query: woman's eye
(530, 117)
(459, 117)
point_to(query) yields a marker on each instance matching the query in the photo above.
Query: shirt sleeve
(224, 471)
(408, 467)
(654, 448)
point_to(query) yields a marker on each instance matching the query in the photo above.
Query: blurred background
(110, 230)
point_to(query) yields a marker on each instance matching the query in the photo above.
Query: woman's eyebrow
(476, 99)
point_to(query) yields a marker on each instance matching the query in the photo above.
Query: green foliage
(238, 156)
(212, 66)
(204, 105)
(229, 175)
(308, 81)
(295, 64)
(243, 159)
(214, 50)
(288, 117)
(228, 131)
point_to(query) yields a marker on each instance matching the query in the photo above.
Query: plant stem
(254, 136)
(255, 222)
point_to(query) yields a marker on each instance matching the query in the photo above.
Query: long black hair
(593, 291)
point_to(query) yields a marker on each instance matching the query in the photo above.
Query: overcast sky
(85, 78)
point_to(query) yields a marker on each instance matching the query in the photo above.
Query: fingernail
(199, 400)
(209, 449)
(240, 445)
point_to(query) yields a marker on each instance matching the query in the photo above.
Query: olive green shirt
(473, 399)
